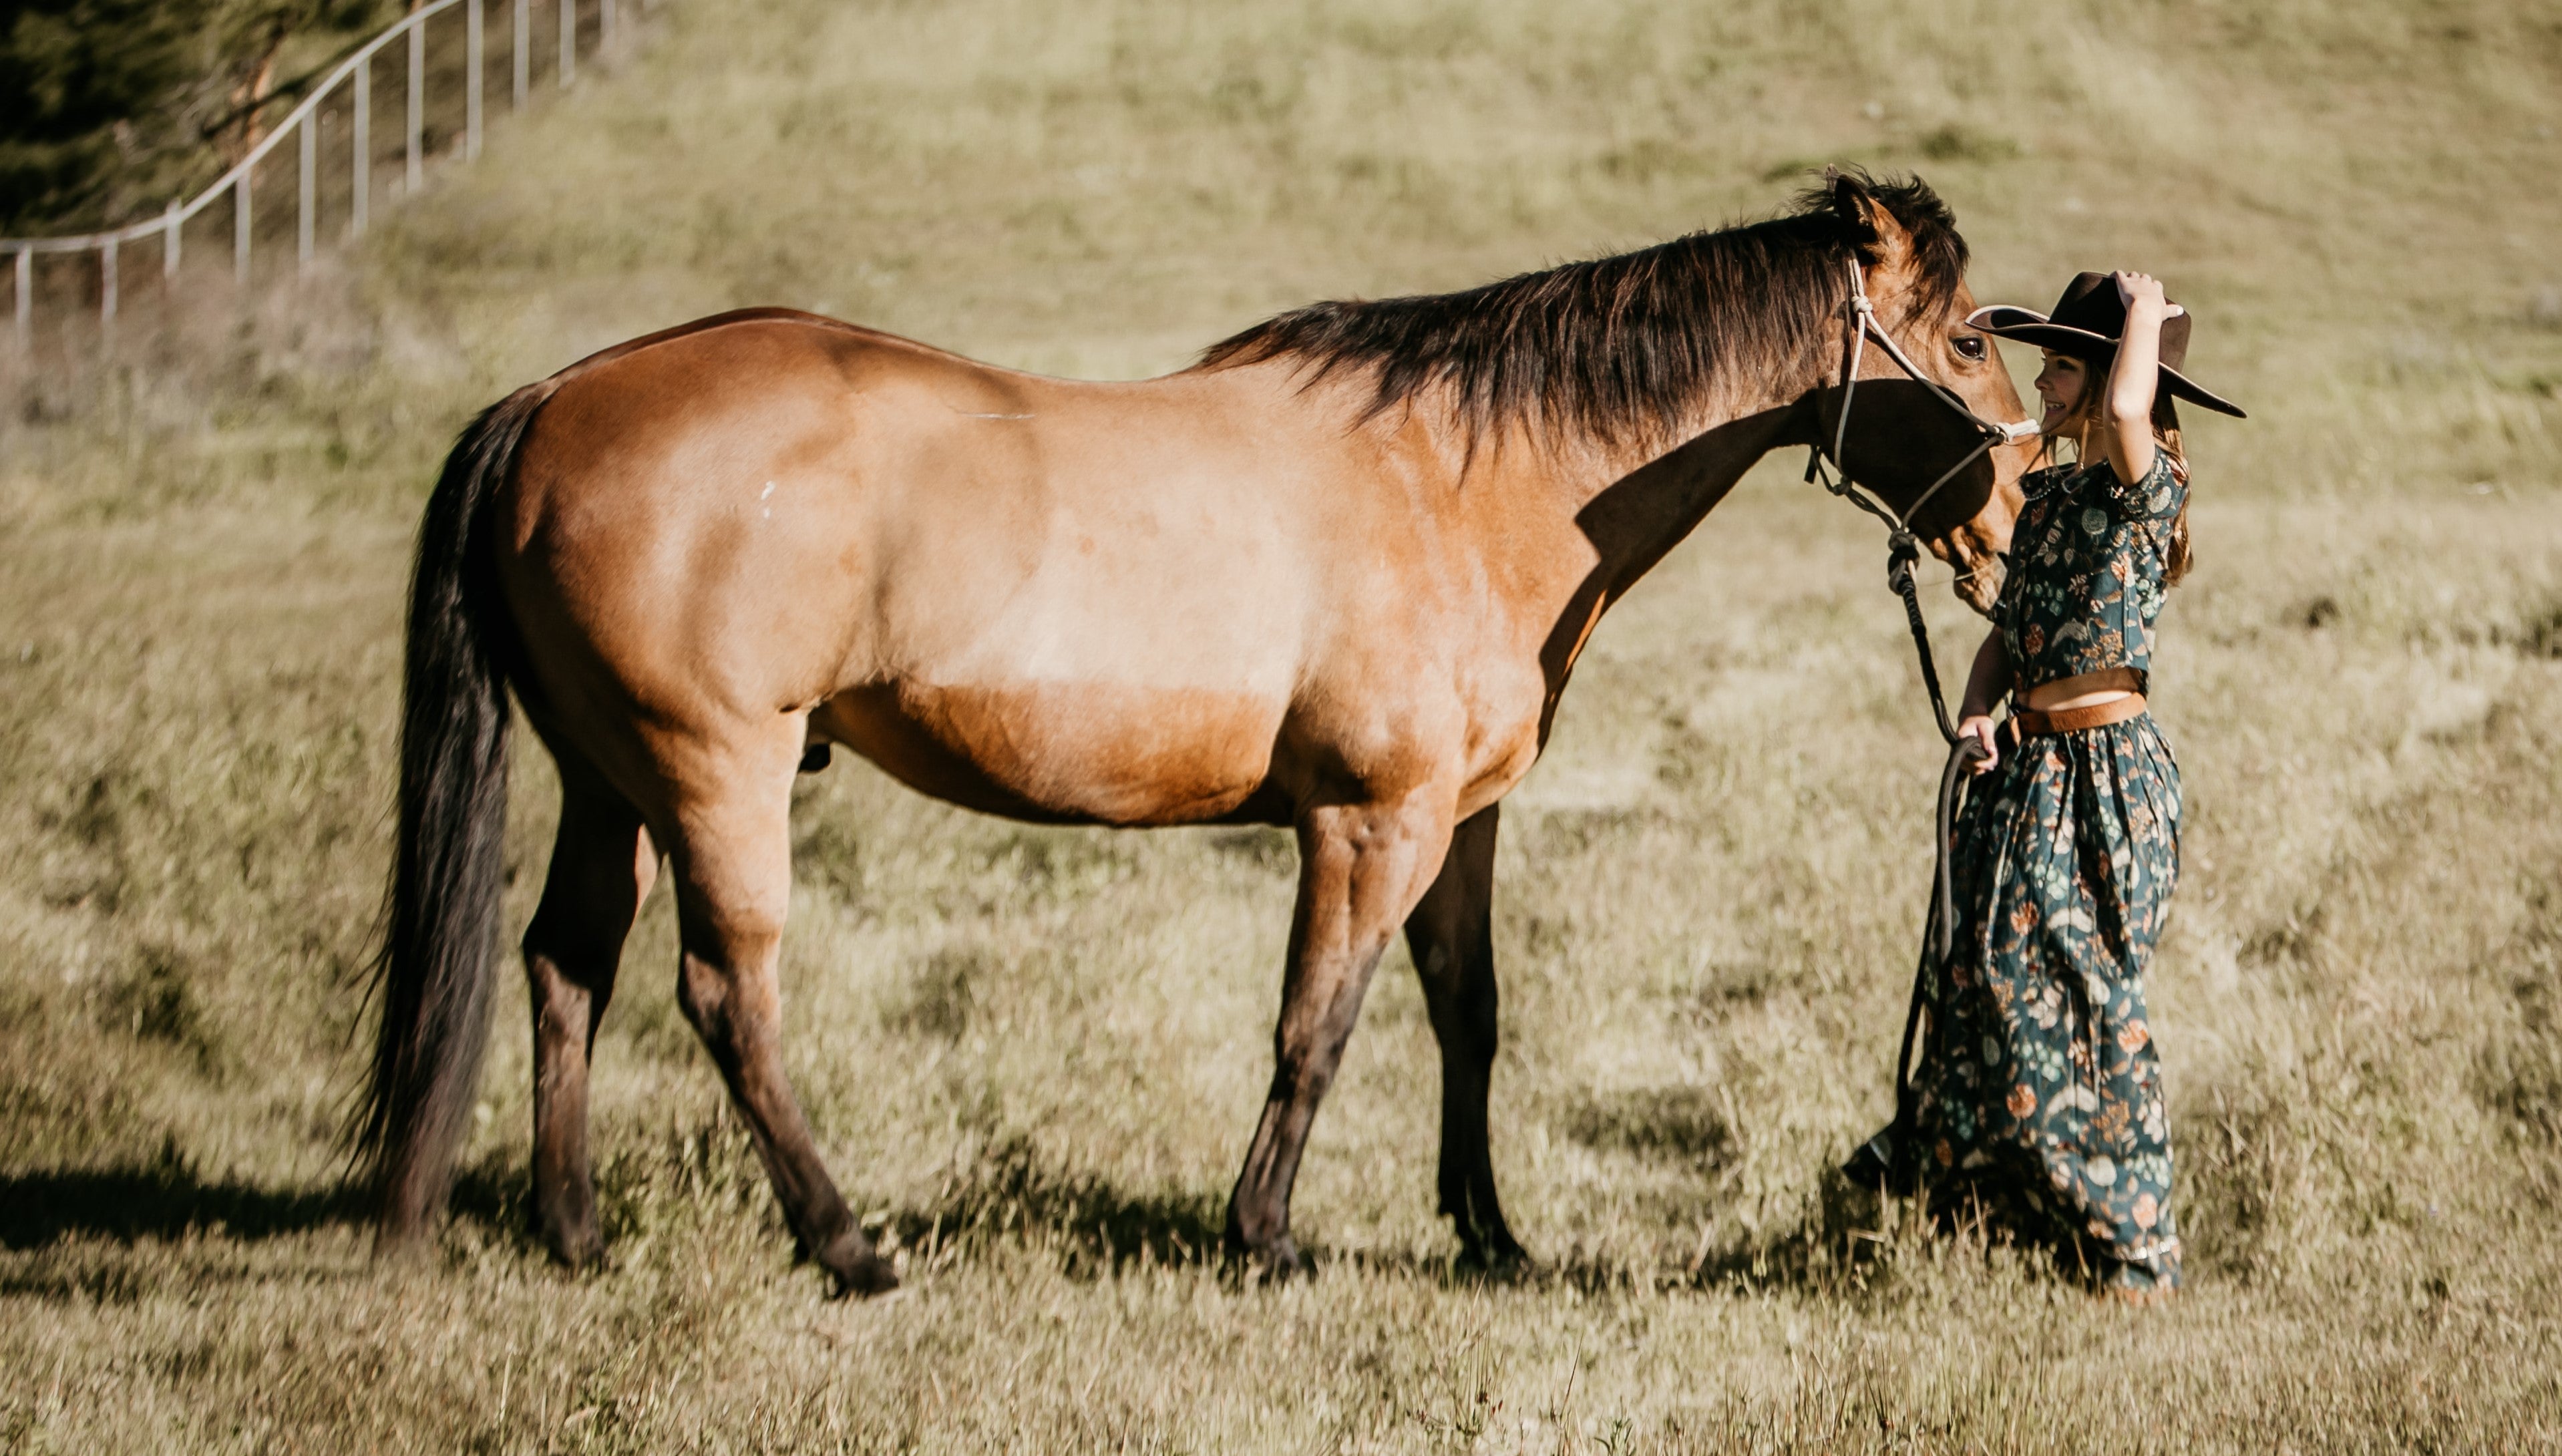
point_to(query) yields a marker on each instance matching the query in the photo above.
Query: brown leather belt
(2030, 723)
(2106, 679)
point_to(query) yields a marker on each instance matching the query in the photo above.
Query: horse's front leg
(1362, 866)
(1451, 936)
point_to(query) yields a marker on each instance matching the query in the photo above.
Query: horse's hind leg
(732, 862)
(1451, 936)
(601, 864)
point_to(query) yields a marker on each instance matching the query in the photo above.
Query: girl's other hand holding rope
(1986, 681)
(1979, 726)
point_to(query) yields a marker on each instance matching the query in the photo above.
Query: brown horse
(1333, 576)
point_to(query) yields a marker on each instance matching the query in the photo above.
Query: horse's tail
(439, 924)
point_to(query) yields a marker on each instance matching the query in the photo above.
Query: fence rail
(301, 125)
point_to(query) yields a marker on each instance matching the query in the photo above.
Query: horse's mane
(1619, 348)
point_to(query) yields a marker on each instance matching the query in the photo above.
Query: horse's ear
(1884, 244)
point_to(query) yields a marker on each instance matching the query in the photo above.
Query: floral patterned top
(2085, 570)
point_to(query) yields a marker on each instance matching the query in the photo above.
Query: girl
(2038, 1091)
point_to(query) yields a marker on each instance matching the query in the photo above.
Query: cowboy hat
(2087, 323)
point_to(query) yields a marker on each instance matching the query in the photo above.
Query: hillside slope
(1034, 1054)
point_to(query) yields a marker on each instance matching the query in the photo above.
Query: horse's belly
(1065, 751)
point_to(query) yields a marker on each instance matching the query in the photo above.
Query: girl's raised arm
(2134, 376)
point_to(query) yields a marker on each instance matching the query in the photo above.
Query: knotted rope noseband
(1860, 326)
(1902, 550)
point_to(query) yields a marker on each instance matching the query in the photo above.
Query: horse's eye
(1970, 346)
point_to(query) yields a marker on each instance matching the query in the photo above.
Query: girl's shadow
(163, 1198)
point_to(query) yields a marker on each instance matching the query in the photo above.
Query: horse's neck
(1634, 510)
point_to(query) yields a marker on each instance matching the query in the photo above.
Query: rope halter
(1860, 325)
(1938, 938)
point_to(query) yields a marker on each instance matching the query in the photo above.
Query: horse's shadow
(1011, 1192)
(165, 1198)
(1097, 1228)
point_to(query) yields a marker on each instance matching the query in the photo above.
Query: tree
(112, 107)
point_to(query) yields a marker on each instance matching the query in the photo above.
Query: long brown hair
(2077, 425)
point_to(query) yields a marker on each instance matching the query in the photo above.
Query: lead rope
(1938, 935)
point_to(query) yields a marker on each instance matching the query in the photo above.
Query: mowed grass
(1034, 1055)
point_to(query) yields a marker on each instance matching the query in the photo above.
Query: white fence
(302, 126)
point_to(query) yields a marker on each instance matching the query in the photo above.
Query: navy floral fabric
(2039, 1085)
(2085, 569)
(2038, 1090)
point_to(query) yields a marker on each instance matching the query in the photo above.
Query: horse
(1334, 576)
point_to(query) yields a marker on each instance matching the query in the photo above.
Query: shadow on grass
(496, 1193)
(1840, 1242)
(1456, 1269)
(163, 1199)
(1858, 1242)
(1014, 1195)
(1680, 1126)
(1008, 1192)
(1011, 1194)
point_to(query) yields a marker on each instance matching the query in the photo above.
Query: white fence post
(360, 177)
(417, 106)
(107, 281)
(240, 226)
(471, 48)
(306, 217)
(241, 180)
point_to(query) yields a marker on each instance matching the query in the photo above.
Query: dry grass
(1034, 1054)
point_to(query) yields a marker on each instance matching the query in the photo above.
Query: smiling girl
(2039, 1094)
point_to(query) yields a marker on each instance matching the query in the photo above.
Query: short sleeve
(2157, 496)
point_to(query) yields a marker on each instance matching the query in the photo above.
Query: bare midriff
(2088, 690)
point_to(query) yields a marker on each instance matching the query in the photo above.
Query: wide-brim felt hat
(2087, 323)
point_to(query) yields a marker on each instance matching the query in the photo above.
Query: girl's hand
(2135, 375)
(1980, 727)
(2135, 288)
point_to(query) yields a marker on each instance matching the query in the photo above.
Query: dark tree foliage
(108, 109)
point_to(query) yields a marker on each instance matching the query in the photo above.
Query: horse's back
(1036, 596)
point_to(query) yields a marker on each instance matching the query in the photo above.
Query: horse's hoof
(856, 1271)
(401, 1245)
(1279, 1262)
(1498, 1255)
(1271, 1260)
(576, 1252)
(867, 1279)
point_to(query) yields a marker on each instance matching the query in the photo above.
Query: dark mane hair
(1620, 348)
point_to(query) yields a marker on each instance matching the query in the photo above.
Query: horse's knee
(1307, 1057)
(566, 967)
(729, 990)
(704, 994)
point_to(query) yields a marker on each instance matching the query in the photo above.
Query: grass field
(1034, 1055)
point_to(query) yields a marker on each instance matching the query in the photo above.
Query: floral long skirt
(2038, 1088)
